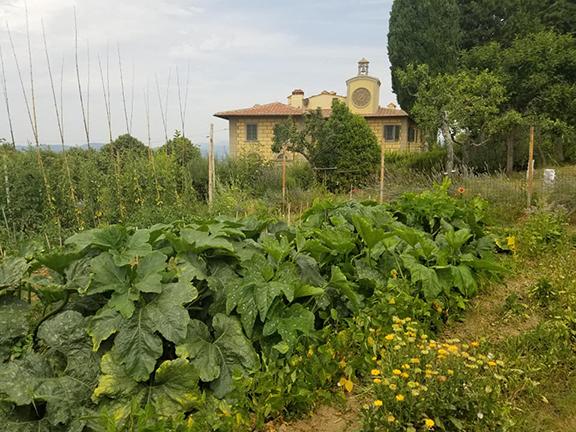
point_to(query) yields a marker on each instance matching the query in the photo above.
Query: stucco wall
(377, 126)
(323, 101)
(239, 146)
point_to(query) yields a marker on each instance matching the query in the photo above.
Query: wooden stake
(210, 166)
(123, 92)
(81, 94)
(284, 178)
(382, 173)
(530, 177)
(5, 88)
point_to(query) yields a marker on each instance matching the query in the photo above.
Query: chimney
(296, 99)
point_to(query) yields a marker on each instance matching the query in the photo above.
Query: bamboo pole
(60, 122)
(530, 173)
(150, 153)
(210, 167)
(106, 100)
(381, 173)
(5, 88)
(31, 110)
(284, 179)
(80, 92)
(183, 103)
(123, 91)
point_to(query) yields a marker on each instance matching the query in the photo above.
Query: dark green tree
(124, 145)
(422, 32)
(182, 149)
(342, 150)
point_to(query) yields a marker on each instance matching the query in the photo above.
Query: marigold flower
(429, 423)
(374, 372)
(405, 366)
(405, 375)
(389, 337)
(392, 386)
(377, 380)
(377, 403)
(397, 372)
(400, 397)
(415, 360)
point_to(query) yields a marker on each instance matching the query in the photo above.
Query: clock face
(361, 97)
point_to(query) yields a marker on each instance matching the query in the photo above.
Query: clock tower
(363, 95)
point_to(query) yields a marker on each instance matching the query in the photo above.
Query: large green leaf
(149, 272)
(175, 388)
(12, 270)
(199, 347)
(103, 324)
(339, 281)
(201, 241)
(166, 313)
(216, 358)
(14, 319)
(136, 246)
(114, 382)
(64, 330)
(289, 322)
(431, 286)
(107, 276)
(137, 346)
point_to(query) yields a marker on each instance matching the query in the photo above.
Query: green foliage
(421, 384)
(432, 161)
(182, 149)
(422, 33)
(247, 317)
(343, 150)
(125, 145)
(542, 231)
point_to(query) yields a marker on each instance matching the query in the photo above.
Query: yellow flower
(450, 372)
(397, 372)
(413, 384)
(405, 375)
(442, 352)
(393, 387)
(394, 274)
(405, 366)
(475, 344)
(392, 301)
(374, 372)
(389, 337)
(377, 403)
(415, 393)
(415, 360)
(429, 423)
(453, 348)
(391, 419)
(399, 397)
(377, 380)
(491, 363)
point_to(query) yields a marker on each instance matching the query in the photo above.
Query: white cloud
(239, 53)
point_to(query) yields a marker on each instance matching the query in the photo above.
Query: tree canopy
(342, 150)
(521, 54)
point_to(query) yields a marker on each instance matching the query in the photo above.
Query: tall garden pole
(211, 166)
(382, 173)
(284, 177)
(530, 177)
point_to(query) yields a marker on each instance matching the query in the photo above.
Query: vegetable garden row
(225, 324)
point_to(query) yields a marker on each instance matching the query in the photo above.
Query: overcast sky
(238, 53)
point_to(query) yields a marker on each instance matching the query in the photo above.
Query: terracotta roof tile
(271, 109)
(283, 110)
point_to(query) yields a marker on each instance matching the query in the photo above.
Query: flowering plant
(420, 384)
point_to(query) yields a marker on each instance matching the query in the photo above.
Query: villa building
(252, 129)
